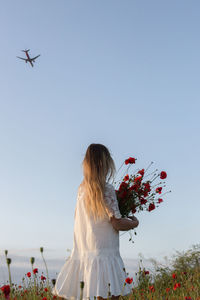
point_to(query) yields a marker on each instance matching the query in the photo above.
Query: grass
(179, 281)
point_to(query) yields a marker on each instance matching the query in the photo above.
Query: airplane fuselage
(28, 58)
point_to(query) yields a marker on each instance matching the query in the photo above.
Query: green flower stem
(8, 261)
(81, 286)
(121, 296)
(109, 293)
(41, 250)
(32, 260)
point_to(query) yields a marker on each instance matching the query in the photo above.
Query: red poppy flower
(134, 187)
(167, 290)
(151, 206)
(147, 186)
(35, 271)
(146, 272)
(129, 280)
(143, 201)
(145, 194)
(158, 190)
(45, 298)
(19, 286)
(126, 178)
(43, 277)
(185, 273)
(174, 275)
(46, 289)
(141, 172)
(138, 179)
(123, 186)
(163, 175)
(177, 285)
(126, 161)
(151, 288)
(6, 290)
(160, 200)
(28, 274)
(130, 160)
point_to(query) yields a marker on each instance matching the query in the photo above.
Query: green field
(179, 281)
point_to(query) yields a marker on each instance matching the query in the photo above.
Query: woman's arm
(124, 224)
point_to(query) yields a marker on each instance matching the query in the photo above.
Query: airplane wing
(35, 57)
(21, 58)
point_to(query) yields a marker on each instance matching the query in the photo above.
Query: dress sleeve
(111, 202)
(78, 196)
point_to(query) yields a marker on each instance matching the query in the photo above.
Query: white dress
(95, 257)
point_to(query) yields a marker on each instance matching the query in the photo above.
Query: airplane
(28, 59)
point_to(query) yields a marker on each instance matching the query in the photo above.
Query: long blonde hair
(98, 167)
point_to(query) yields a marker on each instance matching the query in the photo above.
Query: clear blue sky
(122, 73)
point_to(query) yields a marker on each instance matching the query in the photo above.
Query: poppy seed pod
(32, 260)
(8, 261)
(53, 281)
(82, 284)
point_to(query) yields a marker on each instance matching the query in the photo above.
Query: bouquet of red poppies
(139, 191)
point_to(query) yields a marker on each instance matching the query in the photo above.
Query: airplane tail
(25, 50)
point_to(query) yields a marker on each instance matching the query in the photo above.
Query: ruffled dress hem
(97, 272)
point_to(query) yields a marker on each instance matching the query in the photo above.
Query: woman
(95, 258)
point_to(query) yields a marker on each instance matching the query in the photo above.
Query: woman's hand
(134, 219)
(124, 224)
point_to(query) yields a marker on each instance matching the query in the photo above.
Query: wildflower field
(179, 281)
